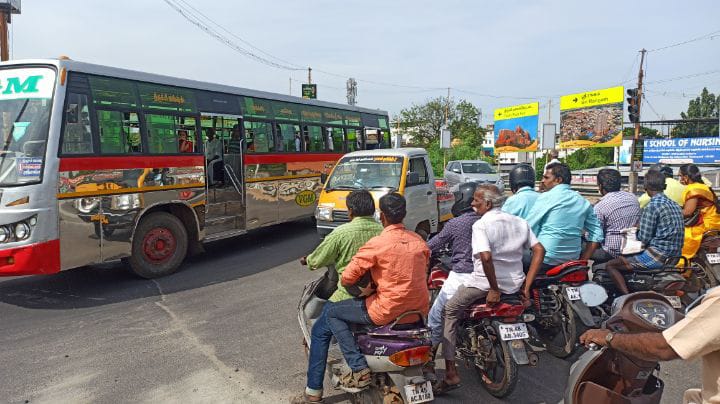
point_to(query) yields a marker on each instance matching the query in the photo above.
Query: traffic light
(633, 105)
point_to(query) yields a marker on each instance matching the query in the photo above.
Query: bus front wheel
(159, 245)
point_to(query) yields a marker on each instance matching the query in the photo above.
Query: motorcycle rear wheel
(508, 373)
(560, 339)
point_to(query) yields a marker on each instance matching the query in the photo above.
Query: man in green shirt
(337, 248)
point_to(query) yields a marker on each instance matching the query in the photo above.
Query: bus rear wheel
(159, 245)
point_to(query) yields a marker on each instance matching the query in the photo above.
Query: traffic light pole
(633, 178)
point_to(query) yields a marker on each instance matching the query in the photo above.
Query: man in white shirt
(498, 242)
(553, 156)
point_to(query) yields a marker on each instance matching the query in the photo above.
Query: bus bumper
(39, 258)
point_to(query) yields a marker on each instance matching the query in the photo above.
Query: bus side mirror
(323, 178)
(413, 178)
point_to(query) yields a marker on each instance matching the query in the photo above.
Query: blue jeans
(339, 314)
(320, 337)
(435, 317)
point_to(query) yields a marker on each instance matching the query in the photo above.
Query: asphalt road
(223, 329)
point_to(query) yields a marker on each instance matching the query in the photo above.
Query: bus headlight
(324, 213)
(22, 231)
(86, 205)
(125, 202)
(4, 234)
(376, 215)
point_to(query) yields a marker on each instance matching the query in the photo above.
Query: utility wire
(689, 76)
(700, 38)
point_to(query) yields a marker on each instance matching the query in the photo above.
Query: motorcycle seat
(557, 273)
(562, 267)
(510, 306)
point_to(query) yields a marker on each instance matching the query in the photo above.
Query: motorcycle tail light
(411, 357)
(674, 286)
(510, 320)
(578, 276)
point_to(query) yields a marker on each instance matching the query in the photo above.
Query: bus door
(224, 173)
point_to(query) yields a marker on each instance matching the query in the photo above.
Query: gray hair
(492, 194)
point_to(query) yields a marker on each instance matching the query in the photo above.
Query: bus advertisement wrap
(516, 128)
(682, 150)
(592, 119)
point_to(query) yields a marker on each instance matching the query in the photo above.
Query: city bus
(100, 164)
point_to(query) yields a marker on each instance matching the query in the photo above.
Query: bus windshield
(25, 102)
(366, 172)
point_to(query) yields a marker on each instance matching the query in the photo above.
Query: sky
(491, 53)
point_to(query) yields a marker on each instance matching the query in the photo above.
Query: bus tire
(159, 245)
(423, 230)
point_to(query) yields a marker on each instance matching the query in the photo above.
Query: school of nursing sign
(516, 128)
(592, 119)
(682, 150)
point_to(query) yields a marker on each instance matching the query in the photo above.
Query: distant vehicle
(457, 172)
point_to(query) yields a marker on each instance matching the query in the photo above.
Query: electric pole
(309, 75)
(7, 9)
(447, 112)
(633, 178)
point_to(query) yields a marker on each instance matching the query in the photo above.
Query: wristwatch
(608, 338)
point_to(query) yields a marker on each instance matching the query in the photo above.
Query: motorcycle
(604, 375)
(670, 281)
(438, 272)
(707, 260)
(560, 297)
(395, 354)
(495, 341)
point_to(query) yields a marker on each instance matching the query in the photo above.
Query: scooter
(607, 376)
(494, 341)
(395, 354)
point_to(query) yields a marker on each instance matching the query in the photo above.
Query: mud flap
(582, 311)
(518, 351)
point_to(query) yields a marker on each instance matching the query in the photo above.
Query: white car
(459, 171)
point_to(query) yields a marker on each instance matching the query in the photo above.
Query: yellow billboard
(592, 118)
(516, 128)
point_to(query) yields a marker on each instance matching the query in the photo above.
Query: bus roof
(90, 68)
(402, 152)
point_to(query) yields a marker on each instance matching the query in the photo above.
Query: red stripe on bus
(98, 163)
(290, 158)
(40, 258)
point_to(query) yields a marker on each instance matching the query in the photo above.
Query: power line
(700, 38)
(689, 76)
(195, 20)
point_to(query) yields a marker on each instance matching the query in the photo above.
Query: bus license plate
(713, 258)
(573, 293)
(419, 393)
(513, 331)
(674, 301)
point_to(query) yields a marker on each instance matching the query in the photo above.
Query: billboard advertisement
(592, 119)
(516, 128)
(682, 150)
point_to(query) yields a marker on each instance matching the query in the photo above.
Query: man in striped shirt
(617, 210)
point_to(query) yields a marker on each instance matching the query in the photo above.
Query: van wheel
(159, 245)
(423, 231)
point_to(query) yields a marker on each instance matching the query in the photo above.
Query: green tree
(704, 106)
(645, 133)
(424, 122)
(581, 159)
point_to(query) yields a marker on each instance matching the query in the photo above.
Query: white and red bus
(99, 163)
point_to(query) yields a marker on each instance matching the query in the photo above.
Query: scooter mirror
(593, 294)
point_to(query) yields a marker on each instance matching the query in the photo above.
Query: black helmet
(463, 198)
(522, 175)
(665, 169)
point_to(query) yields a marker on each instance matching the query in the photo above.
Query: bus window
(259, 137)
(312, 135)
(289, 137)
(372, 138)
(353, 141)
(335, 139)
(386, 141)
(77, 137)
(162, 137)
(119, 132)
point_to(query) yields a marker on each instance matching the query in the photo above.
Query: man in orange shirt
(397, 260)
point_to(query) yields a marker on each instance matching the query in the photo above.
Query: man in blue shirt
(457, 233)
(559, 218)
(522, 184)
(661, 231)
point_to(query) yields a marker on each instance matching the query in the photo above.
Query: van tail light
(411, 357)
(577, 276)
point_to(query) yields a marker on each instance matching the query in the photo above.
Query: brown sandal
(304, 399)
(356, 380)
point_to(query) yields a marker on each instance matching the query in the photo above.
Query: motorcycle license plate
(573, 293)
(713, 258)
(419, 393)
(674, 301)
(513, 331)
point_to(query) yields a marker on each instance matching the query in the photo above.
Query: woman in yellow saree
(697, 197)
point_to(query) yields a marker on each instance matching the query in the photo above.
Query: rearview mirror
(592, 294)
(456, 170)
(413, 178)
(323, 178)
